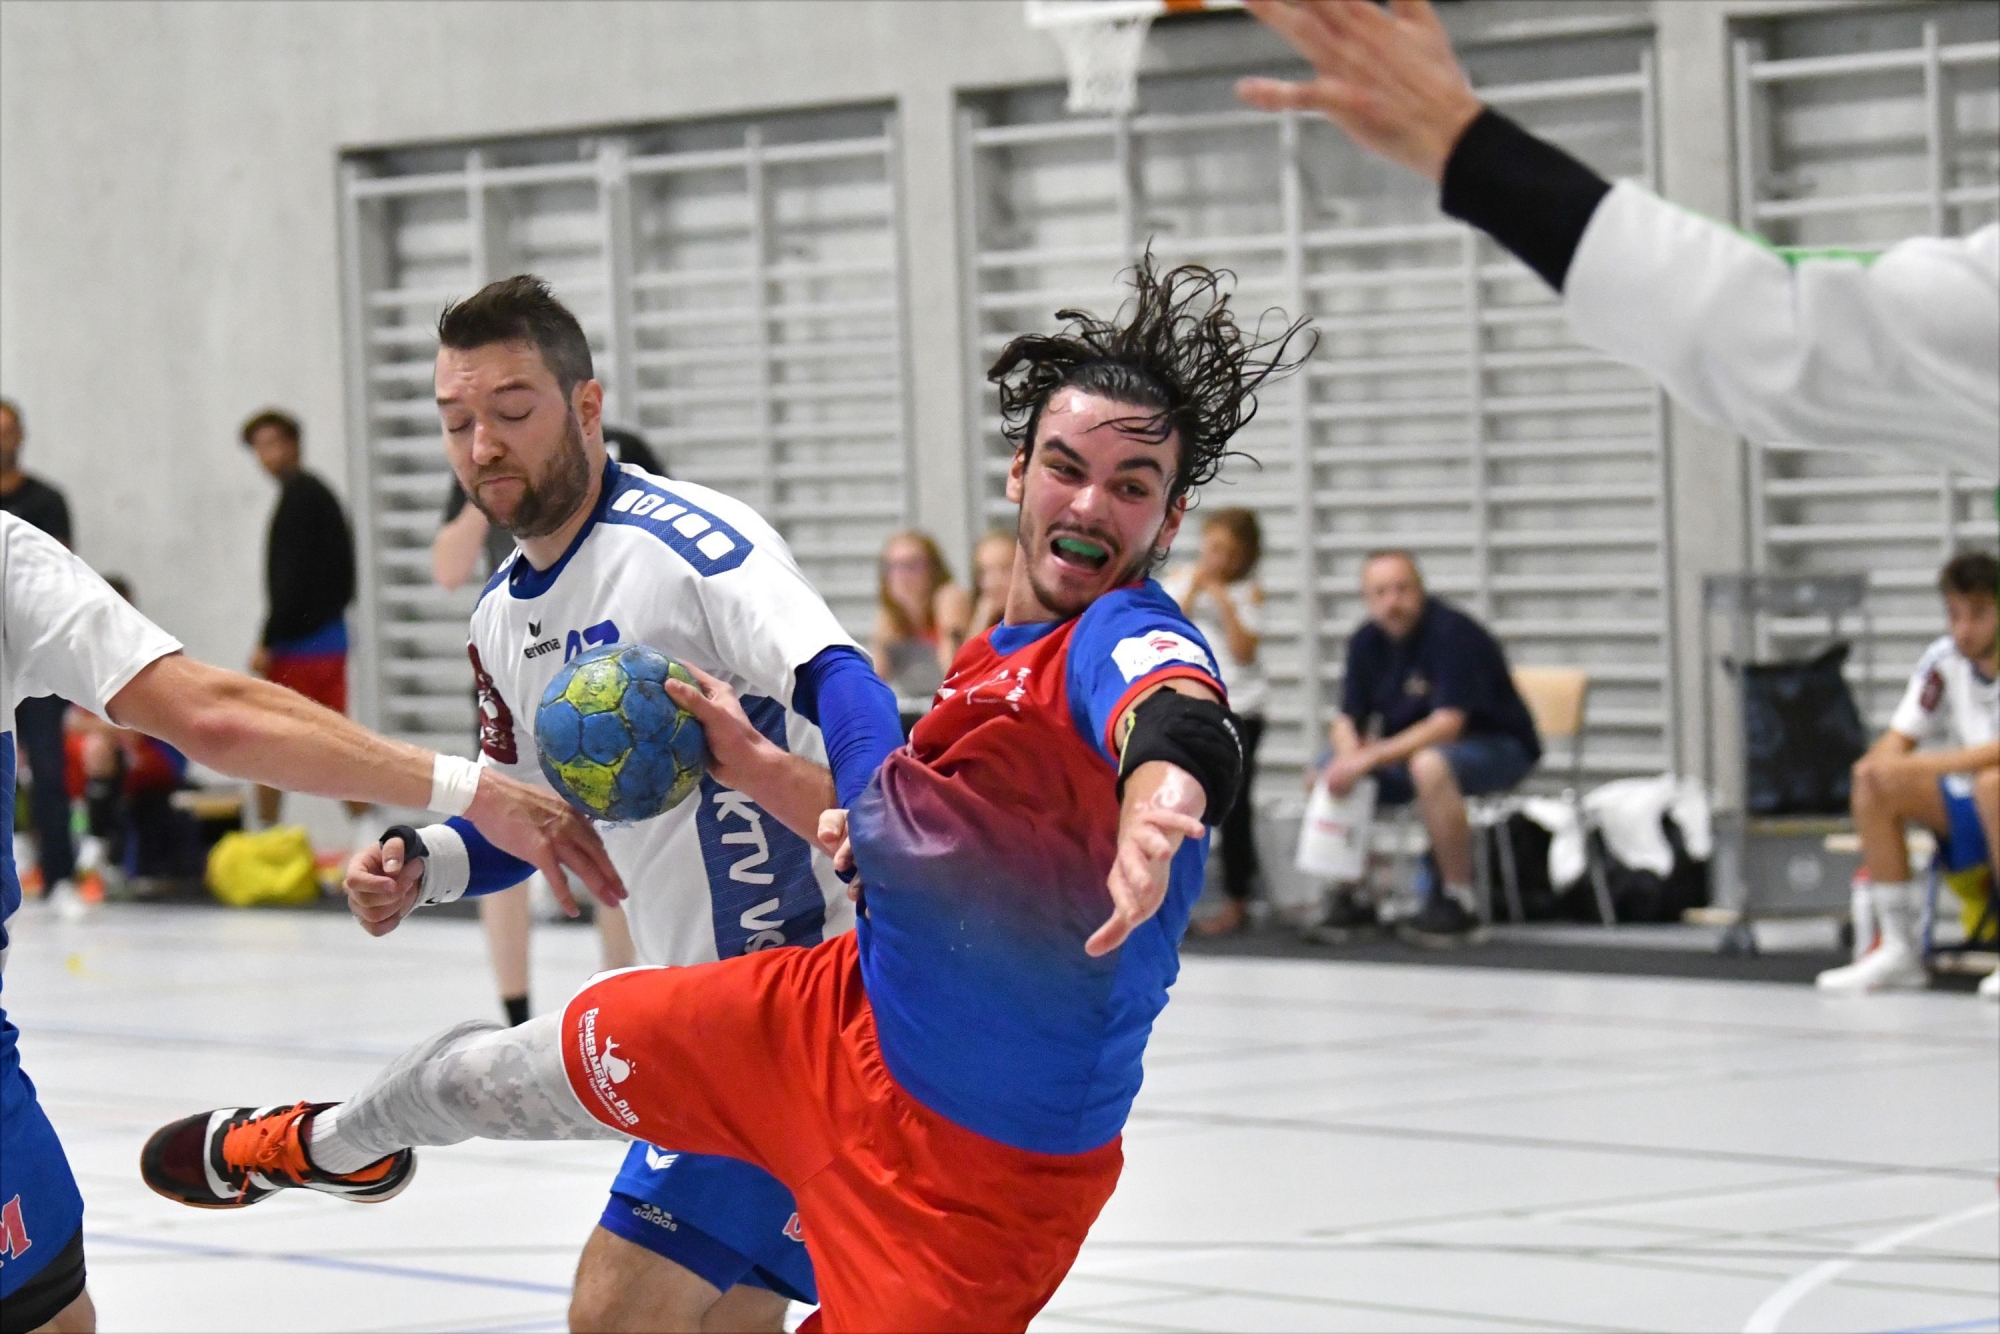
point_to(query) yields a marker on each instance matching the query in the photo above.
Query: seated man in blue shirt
(1430, 711)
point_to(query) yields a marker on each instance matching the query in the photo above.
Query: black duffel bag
(1801, 735)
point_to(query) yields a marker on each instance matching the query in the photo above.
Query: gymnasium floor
(1319, 1146)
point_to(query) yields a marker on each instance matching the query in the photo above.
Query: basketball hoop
(1102, 41)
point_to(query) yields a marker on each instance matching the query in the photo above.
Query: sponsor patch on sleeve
(1933, 691)
(1155, 649)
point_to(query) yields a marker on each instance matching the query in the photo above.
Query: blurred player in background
(607, 554)
(64, 630)
(1950, 787)
(1899, 351)
(944, 1088)
(308, 584)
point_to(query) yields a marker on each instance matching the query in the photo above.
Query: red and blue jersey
(985, 846)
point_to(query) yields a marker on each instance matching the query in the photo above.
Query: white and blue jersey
(703, 579)
(63, 631)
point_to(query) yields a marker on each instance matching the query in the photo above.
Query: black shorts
(43, 1297)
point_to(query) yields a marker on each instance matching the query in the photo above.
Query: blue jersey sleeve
(492, 869)
(1126, 643)
(839, 692)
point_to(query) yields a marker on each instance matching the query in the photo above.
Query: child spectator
(1221, 595)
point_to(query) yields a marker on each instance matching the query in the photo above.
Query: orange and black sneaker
(234, 1156)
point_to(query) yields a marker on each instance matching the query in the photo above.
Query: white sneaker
(1887, 967)
(67, 902)
(1989, 986)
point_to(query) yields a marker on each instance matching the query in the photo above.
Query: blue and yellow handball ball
(612, 740)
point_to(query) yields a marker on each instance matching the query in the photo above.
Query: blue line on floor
(329, 1262)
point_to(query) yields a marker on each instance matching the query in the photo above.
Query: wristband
(454, 782)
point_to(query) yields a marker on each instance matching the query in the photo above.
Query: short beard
(550, 503)
(1136, 569)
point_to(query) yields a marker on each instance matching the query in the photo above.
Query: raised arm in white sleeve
(1838, 349)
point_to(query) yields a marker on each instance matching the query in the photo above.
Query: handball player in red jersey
(944, 1089)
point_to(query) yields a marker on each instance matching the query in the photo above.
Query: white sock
(1899, 908)
(329, 1153)
(1861, 911)
(475, 1080)
(1463, 893)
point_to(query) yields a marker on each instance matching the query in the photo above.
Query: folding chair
(1975, 940)
(1557, 698)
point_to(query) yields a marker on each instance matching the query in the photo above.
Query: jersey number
(604, 632)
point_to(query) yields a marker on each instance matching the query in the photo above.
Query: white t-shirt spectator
(1949, 705)
(1244, 681)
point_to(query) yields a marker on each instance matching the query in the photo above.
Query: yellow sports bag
(270, 867)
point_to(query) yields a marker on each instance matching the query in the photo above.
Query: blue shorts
(40, 1207)
(1964, 843)
(721, 1219)
(1479, 764)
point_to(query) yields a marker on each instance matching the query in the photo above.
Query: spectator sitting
(908, 647)
(125, 780)
(1221, 595)
(1952, 789)
(1429, 710)
(308, 581)
(464, 534)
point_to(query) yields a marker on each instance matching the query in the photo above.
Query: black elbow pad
(1197, 735)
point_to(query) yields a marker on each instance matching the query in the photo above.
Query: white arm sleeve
(67, 632)
(1897, 351)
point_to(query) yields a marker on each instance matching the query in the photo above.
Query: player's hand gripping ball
(611, 739)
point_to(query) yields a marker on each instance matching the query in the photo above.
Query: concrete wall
(169, 259)
(168, 253)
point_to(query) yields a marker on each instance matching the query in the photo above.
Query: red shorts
(320, 677)
(913, 1222)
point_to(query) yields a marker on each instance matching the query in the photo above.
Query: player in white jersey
(63, 630)
(612, 554)
(1892, 351)
(1937, 766)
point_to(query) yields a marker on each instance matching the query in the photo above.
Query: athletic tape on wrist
(454, 782)
(447, 863)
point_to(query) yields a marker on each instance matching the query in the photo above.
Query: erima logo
(658, 1161)
(537, 646)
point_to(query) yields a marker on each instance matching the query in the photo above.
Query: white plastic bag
(1333, 836)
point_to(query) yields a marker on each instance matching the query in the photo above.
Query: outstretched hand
(1150, 829)
(1385, 76)
(382, 888)
(549, 834)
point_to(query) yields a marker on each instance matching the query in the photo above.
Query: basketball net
(1101, 45)
(1102, 41)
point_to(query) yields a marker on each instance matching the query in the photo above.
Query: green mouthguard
(1087, 549)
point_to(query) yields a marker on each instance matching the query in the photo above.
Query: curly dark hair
(1174, 349)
